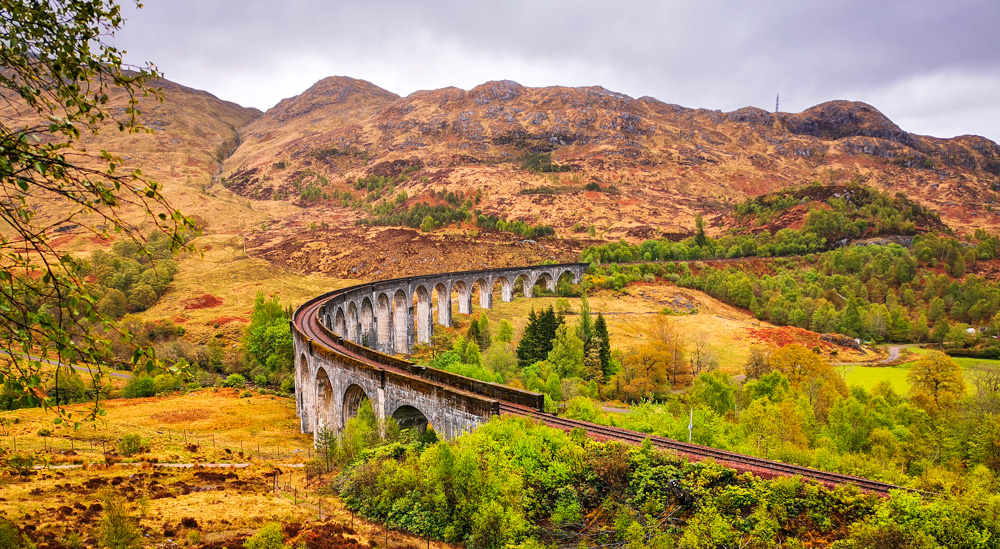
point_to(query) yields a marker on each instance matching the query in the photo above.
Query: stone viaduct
(345, 341)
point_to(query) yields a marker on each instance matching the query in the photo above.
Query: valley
(818, 289)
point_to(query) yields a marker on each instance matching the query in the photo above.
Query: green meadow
(868, 376)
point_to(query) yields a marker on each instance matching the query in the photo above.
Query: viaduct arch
(345, 342)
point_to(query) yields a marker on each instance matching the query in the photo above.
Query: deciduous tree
(59, 69)
(810, 374)
(936, 382)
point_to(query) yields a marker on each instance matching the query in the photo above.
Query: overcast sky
(932, 66)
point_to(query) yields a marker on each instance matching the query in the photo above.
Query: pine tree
(699, 236)
(585, 331)
(604, 344)
(473, 334)
(527, 348)
(536, 342)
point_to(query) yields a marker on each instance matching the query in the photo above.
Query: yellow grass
(222, 270)
(630, 314)
(54, 500)
(194, 427)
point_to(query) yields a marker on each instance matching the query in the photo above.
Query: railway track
(762, 467)
(307, 321)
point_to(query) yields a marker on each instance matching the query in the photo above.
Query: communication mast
(776, 97)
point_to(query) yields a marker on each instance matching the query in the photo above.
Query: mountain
(594, 164)
(664, 162)
(192, 131)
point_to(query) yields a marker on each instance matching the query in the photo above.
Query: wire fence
(69, 449)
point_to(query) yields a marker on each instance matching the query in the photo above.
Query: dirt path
(894, 352)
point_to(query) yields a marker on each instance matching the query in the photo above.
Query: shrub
(119, 529)
(20, 464)
(165, 383)
(260, 380)
(268, 537)
(139, 386)
(132, 444)
(288, 384)
(10, 536)
(234, 381)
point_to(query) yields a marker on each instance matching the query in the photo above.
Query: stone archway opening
(442, 301)
(340, 323)
(354, 398)
(402, 321)
(462, 293)
(503, 289)
(482, 293)
(368, 337)
(521, 286)
(408, 417)
(544, 285)
(384, 324)
(423, 315)
(352, 323)
(324, 399)
(566, 280)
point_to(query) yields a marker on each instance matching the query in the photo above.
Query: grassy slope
(630, 314)
(222, 271)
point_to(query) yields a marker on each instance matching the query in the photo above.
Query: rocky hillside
(192, 132)
(662, 163)
(594, 164)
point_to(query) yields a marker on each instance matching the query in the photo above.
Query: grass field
(195, 507)
(631, 313)
(202, 426)
(868, 376)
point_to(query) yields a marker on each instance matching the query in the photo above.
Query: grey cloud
(711, 54)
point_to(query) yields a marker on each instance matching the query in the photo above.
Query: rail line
(306, 319)
(761, 467)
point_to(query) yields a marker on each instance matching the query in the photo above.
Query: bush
(119, 529)
(10, 536)
(20, 464)
(138, 387)
(234, 381)
(132, 444)
(288, 384)
(165, 383)
(268, 537)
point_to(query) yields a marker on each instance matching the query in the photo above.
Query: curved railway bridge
(345, 341)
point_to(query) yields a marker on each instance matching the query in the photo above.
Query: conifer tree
(585, 331)
(538, 335)
(485, 339)
(473, 333)
(603, 344)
